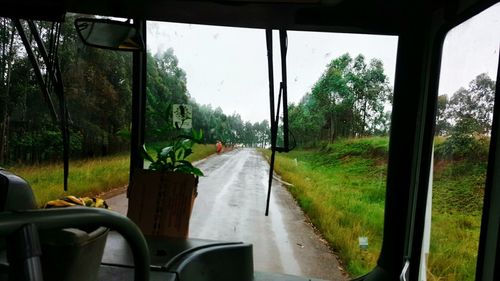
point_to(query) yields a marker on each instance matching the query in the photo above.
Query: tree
(443, 125)
(166, 85)
(263, 133)
(7, 56)
(348, 100)
(470, 113)
(471, 109)
(333, 99)
(94, 81)
(98, 92)
(304, 121)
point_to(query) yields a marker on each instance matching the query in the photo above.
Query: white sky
(469, 50)
(227, 67)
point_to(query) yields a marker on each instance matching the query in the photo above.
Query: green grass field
(342, 189)
(457, 204)
(87, 177)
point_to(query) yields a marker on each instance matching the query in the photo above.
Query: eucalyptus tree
(262, 132)
(166, 85)
(443, 125)
(469, 114)
(7, 56)
(471, 108)
(348, 100)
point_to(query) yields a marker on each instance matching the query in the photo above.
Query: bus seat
(15, 193)
(72, 254)
(68, 254)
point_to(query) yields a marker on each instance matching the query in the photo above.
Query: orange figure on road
(219, 147)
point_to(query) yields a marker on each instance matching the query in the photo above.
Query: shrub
(463, 147)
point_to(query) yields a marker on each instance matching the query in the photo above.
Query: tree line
(167, 86)
(98, 91)
(352, 98)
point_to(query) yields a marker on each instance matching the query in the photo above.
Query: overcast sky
(227, 67)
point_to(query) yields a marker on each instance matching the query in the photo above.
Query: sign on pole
(182, 116)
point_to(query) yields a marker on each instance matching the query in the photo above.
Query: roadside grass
(454, 245)
(201, 151)
(456, 219)
(88, 177)
(341, 187)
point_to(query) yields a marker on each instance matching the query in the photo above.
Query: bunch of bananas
(71, 200)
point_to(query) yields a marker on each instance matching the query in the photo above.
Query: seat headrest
(15, 193)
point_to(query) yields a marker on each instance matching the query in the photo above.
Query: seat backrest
(68, 254)
(72, 254)
(15, 193)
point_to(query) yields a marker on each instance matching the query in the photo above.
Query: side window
(461, 144)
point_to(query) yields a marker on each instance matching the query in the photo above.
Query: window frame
(416, 217)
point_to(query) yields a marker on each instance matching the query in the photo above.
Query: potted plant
(161, 197)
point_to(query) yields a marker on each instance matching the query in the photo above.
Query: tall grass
(342, 189)
(454, 245)
(87, 177)
(201, 151)
(458, 193)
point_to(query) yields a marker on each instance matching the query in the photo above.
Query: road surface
(230, 206)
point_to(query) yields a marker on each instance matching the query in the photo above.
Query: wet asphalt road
(230, 206)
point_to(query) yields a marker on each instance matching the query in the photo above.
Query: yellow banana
(100, 203)
(58, 203)
(75, 200)
(71, 200)
(88, 201)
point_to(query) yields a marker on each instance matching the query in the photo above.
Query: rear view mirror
(109, 34)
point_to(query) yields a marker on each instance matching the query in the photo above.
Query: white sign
(182, 116)
(363, 242)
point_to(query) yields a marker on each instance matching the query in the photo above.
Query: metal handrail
(79, 217)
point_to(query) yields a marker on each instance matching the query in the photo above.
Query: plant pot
(160, 203)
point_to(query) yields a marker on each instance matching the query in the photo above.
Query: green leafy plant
(173, 157)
